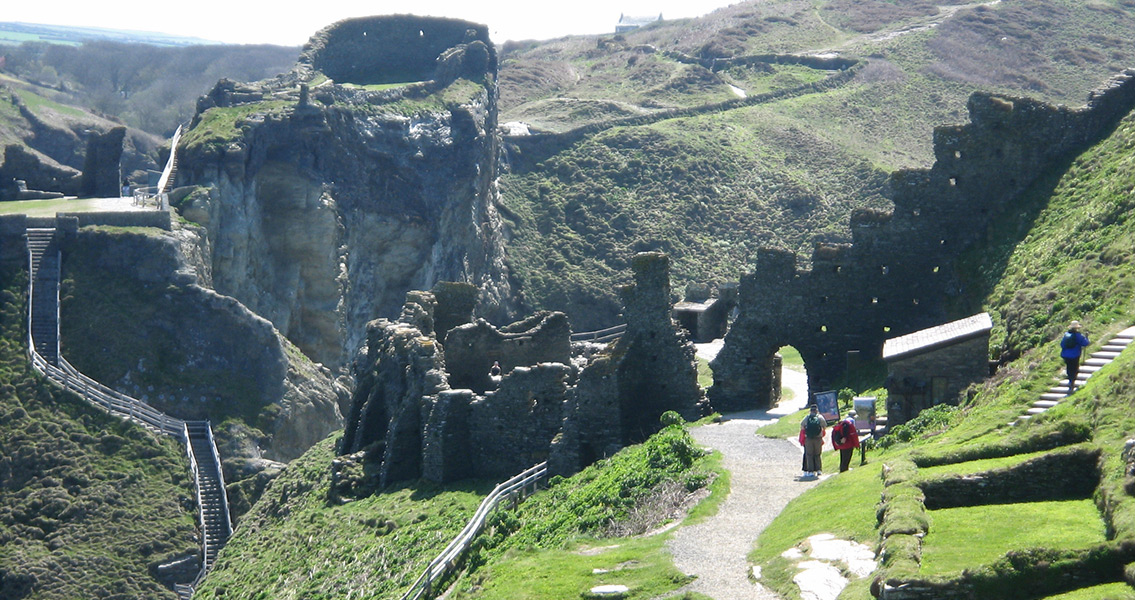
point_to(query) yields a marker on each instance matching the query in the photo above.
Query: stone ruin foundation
(425, 406)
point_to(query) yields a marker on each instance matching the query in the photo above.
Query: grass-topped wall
(389, 49)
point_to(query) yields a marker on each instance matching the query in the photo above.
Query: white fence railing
(600, 336)
(158, 194)
(520, 486)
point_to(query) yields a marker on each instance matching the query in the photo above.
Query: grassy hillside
(712, 189)
(306, 538)
(89, 504)
(302, 541)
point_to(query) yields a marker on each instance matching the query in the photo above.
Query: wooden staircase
(1095, 361)
(45, 265)
(205, 464)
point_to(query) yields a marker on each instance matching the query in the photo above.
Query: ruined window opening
(874, 300)
(823, 328)
(957, 153)
(942, 243)
(838, 269)
(953, 181)
(421, 33)
(886, 269)
(917, 212)
(915, 301)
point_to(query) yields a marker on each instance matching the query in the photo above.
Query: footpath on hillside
(764, 478)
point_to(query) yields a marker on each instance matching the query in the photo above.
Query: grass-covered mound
(1061, 257)
(90, 504)
(300, 541)
(595, 528)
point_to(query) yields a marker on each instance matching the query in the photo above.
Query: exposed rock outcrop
(135, 318)
(324, 210)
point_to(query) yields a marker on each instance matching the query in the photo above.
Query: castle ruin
(898, 274)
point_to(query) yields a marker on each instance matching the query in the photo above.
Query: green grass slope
(300, 541)
(304, 540)
(1060, 257)
(89, 504)
(711, 189)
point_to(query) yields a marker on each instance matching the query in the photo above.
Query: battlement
(898, 273)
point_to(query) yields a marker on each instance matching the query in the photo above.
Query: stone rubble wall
(898, 274)
(406, 416)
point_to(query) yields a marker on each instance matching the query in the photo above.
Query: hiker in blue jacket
(1071, 345)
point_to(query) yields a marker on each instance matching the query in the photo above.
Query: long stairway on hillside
(44, 266)
(1094, 362)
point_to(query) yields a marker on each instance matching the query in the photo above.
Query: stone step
(1105, 354)
(1096, 362)
(1054, 396)
(1045, 403)
(1112, 346)
(1035, 411)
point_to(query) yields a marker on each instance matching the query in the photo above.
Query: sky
(269, 22)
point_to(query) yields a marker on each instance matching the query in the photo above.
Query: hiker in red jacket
(845, 438)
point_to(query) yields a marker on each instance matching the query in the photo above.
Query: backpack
(1069, 341)
(839, 435)
(812, 426)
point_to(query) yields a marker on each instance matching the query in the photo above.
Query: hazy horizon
(240, 23)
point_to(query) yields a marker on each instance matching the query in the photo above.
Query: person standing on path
(845, 438)
(813, 428)
(1071, 349)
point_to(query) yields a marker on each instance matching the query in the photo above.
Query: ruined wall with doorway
(898, 273)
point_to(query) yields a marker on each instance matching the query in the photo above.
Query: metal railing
(600, 336)
(519, 487)
(132, 409)
(159, 194)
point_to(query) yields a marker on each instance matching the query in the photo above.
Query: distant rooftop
(937, 337)
(628, 22)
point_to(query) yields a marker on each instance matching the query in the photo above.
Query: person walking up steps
(1071, 348)
(812, 429)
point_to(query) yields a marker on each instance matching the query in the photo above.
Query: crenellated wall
(898, 273)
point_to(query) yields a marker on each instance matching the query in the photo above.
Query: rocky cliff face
(325, 205)
(135, 318)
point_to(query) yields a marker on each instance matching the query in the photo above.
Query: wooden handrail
(518, 487)
(601, 335)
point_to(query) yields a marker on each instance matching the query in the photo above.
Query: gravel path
(765, 476)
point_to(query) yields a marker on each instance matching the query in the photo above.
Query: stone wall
(102, 165)
(470, 349)
(1065, 475)
(397, 48)
(898, 274)
(406, 417)
(911, 385)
